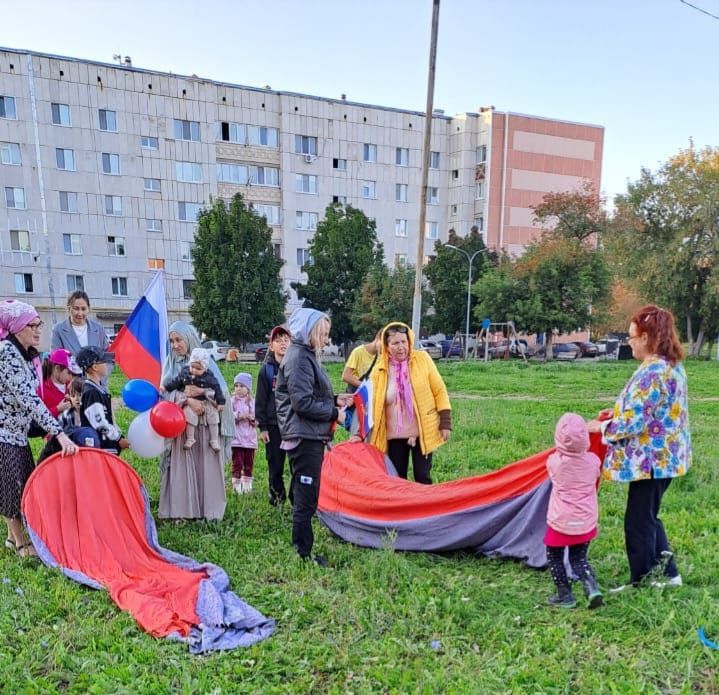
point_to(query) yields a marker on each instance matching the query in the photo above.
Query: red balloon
(167, 419)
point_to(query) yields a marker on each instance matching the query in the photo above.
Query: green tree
(386, 295)
(665, 239)
(343, 249)
(238, 292)
(447, 273)
(572, 214)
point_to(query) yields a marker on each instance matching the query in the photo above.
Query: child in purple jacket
(573, 511)
(244, 443)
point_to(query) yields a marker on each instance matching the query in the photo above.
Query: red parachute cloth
(106, 540)
(355, 483)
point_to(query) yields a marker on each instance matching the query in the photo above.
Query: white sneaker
(668, 582)
(619, 588)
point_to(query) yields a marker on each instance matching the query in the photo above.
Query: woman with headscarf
(20, 330)
(192, 482)
(306, 412)
(410, 405)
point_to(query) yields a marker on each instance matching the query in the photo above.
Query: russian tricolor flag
(362, 399)
(141, 345)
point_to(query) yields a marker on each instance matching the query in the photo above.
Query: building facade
(104, 167)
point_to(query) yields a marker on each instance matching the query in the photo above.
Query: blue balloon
(139, 395)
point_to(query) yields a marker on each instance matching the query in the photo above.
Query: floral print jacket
(648, 435)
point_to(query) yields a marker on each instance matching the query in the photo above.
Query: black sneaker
(562, 599)
(320, 561)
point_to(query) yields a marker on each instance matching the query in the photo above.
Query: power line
(699, 9)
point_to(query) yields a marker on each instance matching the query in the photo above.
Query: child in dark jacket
(198, 373)
(573, 511)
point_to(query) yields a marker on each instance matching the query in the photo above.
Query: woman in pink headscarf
(20, 330)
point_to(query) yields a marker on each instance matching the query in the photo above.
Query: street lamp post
(469, 290)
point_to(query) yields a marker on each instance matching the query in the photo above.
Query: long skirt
(16, 465)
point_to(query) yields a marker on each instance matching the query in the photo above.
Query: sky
(646, 70)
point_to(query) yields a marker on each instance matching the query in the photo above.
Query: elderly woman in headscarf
(193, 479)
(410, 404)
(20, 330)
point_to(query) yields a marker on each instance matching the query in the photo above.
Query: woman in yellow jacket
(410, 404)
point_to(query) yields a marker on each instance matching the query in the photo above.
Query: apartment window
(119, 286)
(15, 197)
(113, 205)
(189, 172)
(306, 220)
(434, 160)
(147, 142)
(108, 120)
(152, 185)
(271, 213)
(19, 240)
(368, 189)
(7, 107)
(233, 132)
(262, 136)
(431, 230)
(187, 130)
(188, 212)
(432, 195)
(110, 163)
(401, 157)
(400, 227)
(23, 283)
(265, 176)
(400, 260)
(342, 199)
(481, 154)
(453, 210)
(304, 257)
(60, 114)
(479, 223)
(71, 244)
(400, 192)
(116, 246)
(277, 249)
(305, 183)
(65, 159)
(233, 173)
(455, 173)
(187, 249)
(155, 263)
(339, 164)
(153, 225)
(68, 201)
(10, 153)
(187, 288)
(479, 190)
(75, 282)
(305, 144)
(369, 153)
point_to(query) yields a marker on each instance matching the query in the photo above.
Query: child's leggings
(242, 462)
(577, 559)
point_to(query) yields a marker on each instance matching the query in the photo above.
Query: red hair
(658, 325)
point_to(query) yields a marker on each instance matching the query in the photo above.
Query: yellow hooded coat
(429, 395)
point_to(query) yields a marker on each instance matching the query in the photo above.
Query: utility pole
(419, 263)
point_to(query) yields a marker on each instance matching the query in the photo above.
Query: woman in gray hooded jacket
(306, 412)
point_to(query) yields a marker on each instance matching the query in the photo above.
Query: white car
(217, 349)
(432, 349)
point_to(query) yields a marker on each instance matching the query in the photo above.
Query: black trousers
(275, 466)
(398, 451)
(644, 534)
(306, 462)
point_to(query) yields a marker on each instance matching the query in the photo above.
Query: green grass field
(378, 621)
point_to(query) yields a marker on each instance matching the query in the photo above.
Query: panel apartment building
(104, 167)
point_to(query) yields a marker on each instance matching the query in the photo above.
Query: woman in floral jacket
(648, 440)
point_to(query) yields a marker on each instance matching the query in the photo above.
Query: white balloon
(144, 441)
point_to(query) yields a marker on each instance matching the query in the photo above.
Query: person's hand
(123, 443)
(344, 400)
(445, 434)
(74, 401)
(594, 426)
(220, 408)
(192, 391)
(264, 436)
(355, 438)
(67, 446)
(64, 405)
(341, 415)
(163, 389)
(605, 414)
(196, 406)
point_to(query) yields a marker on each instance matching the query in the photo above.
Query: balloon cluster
(157, 420)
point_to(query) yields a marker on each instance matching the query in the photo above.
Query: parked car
(218, 349)
(513, 348)
(432, 349)
(565, 351)
(451, 348)
(261, 353)
(587, 348)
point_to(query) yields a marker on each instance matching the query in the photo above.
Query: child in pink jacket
(573, 511)
(244, 443)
